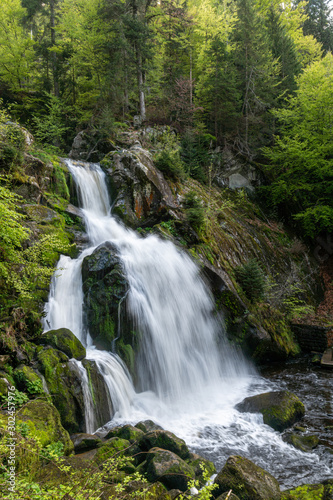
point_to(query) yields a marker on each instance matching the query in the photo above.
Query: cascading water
(190, 383)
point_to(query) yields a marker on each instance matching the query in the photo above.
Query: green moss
(27, 380)
(64, 340)
(305, 492)
(59, 185)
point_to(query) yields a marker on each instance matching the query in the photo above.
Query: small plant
(35, 387)
(170, 164)
(252, 280)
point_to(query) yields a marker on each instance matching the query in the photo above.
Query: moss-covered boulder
(64, 384)
(28, 380)
(112, 447)
(304, 443)
(148, 425)
(132, 434)
(43, 421)
(246, 480)
(65, 341)
(165, 440)
(84, 442)
(168, 468)
(105, 287)
(280, 409)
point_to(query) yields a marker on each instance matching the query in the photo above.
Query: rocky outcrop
(103, 409)
(166, 440)
(141, 194)
(105, 288)
(83, 442)
(311, 337)
(280, 409)
(246, 480)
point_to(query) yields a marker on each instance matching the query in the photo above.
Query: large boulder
(246, 480)
(141, 194)
(43, 421)
(105, 287)
(64, 340)
(128, 432)
(280, 409)
(64, 384)
(84, 442)
(148, 425)
(168, 468)
(166, 440)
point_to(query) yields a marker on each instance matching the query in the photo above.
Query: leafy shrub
(195, 153)
(252, 280)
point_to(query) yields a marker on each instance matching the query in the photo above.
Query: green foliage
(195, 153)
(252, 280)
(18, 399)
(52, 126)
(168, 159)
(194, 211)
(52, 451)
(301, 165)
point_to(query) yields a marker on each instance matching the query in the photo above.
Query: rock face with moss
(246, 480)
(280, 409)
(105, 287)
(64, 385)
(103, 409)
(139, 190)
(167, 467)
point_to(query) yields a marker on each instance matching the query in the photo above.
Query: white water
(190, 383)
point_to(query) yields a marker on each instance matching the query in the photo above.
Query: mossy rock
(148, 425)
(44, 215)
(64, 340)
(27, 380)
(230, 497)
(246, 480)
(198, 463)
(65, 388)
(168, 468)
(280, 409)
(156, 491)
(114, 446)
(308, 492)
(44, 423)
(132, 434)
(165, 440)
(4, 384)
(303, 443)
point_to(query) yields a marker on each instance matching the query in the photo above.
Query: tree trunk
(54, 54)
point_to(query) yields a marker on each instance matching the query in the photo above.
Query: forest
(253, 77)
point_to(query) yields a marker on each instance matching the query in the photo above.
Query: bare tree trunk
(141, 87)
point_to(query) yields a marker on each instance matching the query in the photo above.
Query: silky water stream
(189, 380)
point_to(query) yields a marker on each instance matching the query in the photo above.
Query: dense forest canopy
(231, 74)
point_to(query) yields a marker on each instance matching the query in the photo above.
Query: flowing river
(188, 382)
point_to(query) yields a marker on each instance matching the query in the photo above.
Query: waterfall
(188, 377)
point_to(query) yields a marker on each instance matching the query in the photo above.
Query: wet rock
(84, 442)
(141, 194)
(165, 440)
(44, 423)
(65, 341)
(103, 409)
(280, 409)
(246, 480)
(105, 288)
(148, 425)
(64, 385)
(303, 443)
(168, 468)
